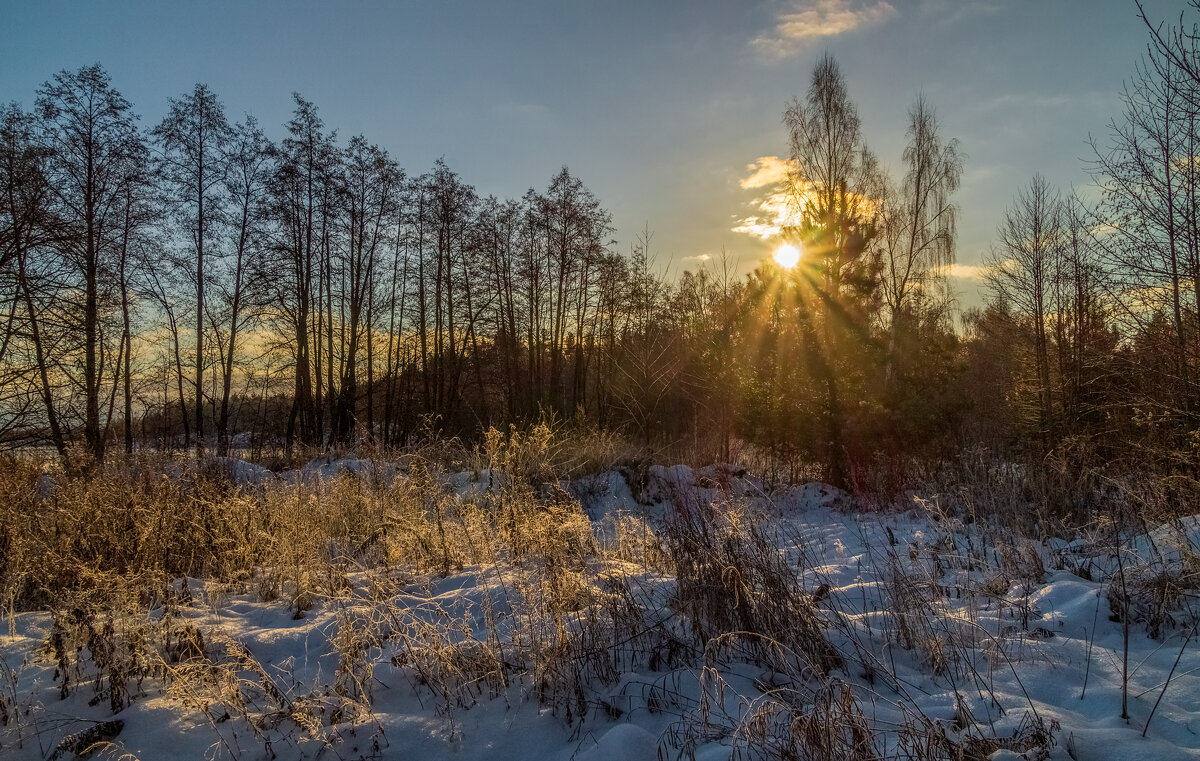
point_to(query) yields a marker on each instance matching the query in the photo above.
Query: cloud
(976, 273)
(812, 19)
(783, 199)
(767, 170)
(773, 210)
(949, 12)
(698, 258)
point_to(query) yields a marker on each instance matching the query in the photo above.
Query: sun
(787, 256)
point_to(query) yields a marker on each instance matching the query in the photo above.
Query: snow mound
(624, 742)
(1171, 542)
(729, 478)
(45, 487)
(241, 473)
(719, 475)
(666, 484)
(471, 485)
(327, 468)
(604, 494)
(811, 496)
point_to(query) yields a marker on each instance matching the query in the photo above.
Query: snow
(1019, 629)
(811, 496)
(624, 742)
(242, 473)
(1169, 543)
(45, 487)
(665, 484)
(471, 485)
(329, 467)
(604, 494)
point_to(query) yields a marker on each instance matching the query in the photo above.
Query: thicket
(202, 284)
(136, 562)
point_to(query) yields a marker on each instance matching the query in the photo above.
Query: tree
(370, 184)
(647, 372)
(137, 215)
(576, 233)
(839, 271)
(299, 206)
(1081, 310)
(1021, 277)
(94, 152)
(1151, 204)
(918, 226)
(241, 287)
(191, 163)
(26, 225)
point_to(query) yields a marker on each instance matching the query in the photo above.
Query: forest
(313, 453)
(200, 284)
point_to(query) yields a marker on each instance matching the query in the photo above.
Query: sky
(670, 112)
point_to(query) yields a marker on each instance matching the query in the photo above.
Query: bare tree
(1021, 276)
(138, 213)
(241, 286)
(919, 225)
(93, 148)
(25, 226)
(1151, 204)
(298, 191)
(191, 161)
(1080, 316)
(371, 185)
(826, 136)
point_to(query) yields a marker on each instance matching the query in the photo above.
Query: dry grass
(102, 553)
(555, 611)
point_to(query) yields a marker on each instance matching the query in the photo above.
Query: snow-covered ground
(942, 628)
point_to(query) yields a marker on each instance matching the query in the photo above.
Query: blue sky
(660, 107)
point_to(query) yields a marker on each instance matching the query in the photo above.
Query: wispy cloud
(774, 209)
(1019, 102)
(976, 273)
(774, 212)
(698, 258)
(949, 12)
(811, 19)
(784, 197)
(767, 170)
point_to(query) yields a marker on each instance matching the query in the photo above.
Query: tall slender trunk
(39, 352)
(200, 293)
(183, 408)
(127, 333)
(91, 320)
(422, 307)
(370, 359)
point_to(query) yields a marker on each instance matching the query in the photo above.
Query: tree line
(159, 285)
(201, 284)
(1091, 333)
(180, 285)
